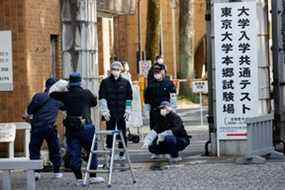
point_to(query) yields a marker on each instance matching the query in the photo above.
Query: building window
(53, 54)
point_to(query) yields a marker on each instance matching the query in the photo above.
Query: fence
(260, 138)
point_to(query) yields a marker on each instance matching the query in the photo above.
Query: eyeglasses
(115, 69)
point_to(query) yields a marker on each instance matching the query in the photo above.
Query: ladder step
(101, 151)
(98, 171)
(107, 151)
(108, 132)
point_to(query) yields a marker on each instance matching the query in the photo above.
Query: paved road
(187, 176)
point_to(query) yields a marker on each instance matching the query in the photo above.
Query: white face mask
(160, 60)
(163, 112)
(158, 76)
(116, 74)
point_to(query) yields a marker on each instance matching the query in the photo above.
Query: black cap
(164, 104)
(75, 79)
(50, 82)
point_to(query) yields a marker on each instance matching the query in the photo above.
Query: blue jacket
(44, 110)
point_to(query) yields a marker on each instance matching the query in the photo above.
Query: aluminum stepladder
(115, 133)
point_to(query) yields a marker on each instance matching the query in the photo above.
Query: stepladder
(108, 155)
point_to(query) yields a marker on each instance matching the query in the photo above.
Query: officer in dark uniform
(42, 112)
(115, 96)
(159, 90)
(171, 134)
(79, 128)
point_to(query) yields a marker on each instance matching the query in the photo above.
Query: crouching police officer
(169, 137)
(42, 113)
(115, 96)
(79, 128)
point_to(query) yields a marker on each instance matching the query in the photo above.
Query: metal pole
(139, 30)
(212, 127)
(174, 38)
(161, 33)
(201, 108)
(278, 45)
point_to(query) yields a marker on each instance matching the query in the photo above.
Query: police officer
(158, 62)
(79, 128)
(115, 96)
(171, 135)
(43, 112)
(161, 89)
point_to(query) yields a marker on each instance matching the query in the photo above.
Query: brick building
(36, 49)
(35, 35)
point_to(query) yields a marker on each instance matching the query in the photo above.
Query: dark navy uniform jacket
(116, 92)
(44, 110)
(77, 101)
(158, 91)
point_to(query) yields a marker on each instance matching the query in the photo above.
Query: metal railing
(259, 133)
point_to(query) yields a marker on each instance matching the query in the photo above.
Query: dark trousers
(75, 139)
(154, 117)
(49, 134)
(111, 125)
(171, 145)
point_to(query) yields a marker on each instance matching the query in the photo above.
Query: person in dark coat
(115, 96)
(43, 112)
(161, 89)
(158, 63)
(78, 123)
(171, 134)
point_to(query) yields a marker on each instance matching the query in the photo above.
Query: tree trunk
(153, 29)
(186, 54)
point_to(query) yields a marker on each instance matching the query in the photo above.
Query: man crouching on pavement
(42, 113)
(169, 135)
(79, 128)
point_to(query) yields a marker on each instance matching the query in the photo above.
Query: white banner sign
(145, 66)
(6, 73)
(200, 86)
(236, 67)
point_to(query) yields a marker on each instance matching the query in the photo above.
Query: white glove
(59, 86)
(104, 109)
(127, 114)
(149, 138)
(161, 136)
(106, 115)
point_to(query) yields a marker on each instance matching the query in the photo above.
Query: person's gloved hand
(146, 110)
(149, 138)
(104, 109)
(106, 115)
(161, 136)
(127, 114)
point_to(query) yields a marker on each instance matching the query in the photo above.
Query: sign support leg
(201, 109)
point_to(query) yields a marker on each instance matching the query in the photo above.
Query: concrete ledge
(20, 164)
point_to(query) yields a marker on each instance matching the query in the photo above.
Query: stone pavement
(192, 175)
